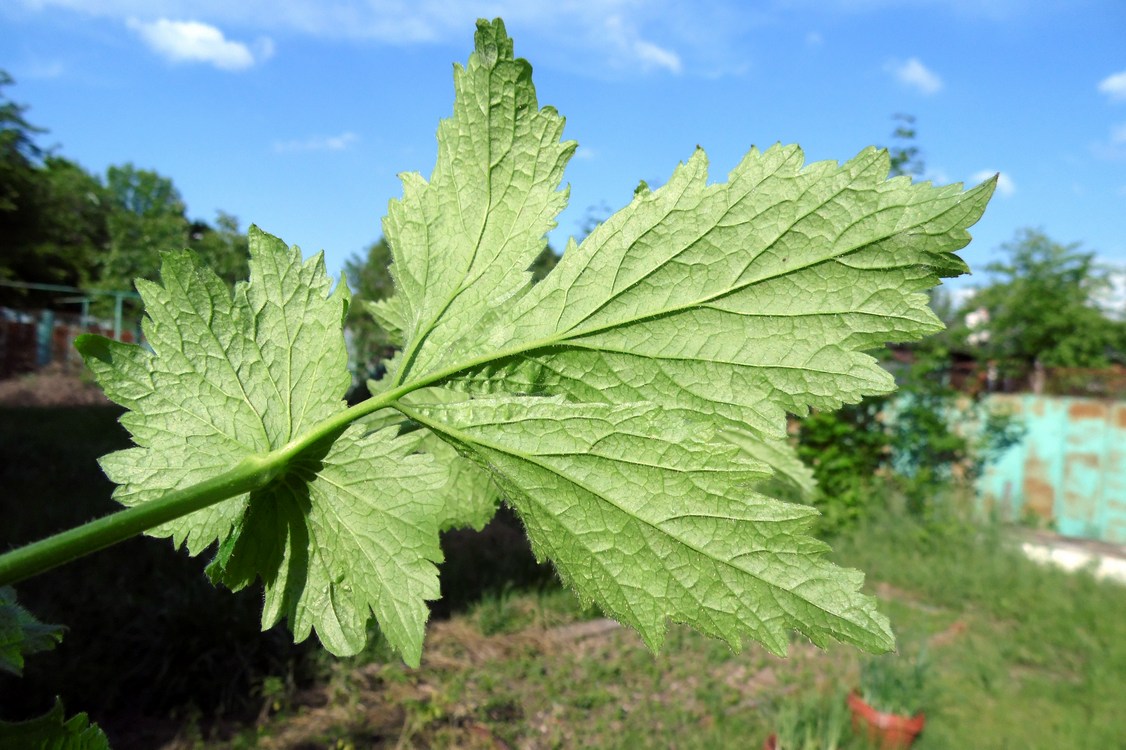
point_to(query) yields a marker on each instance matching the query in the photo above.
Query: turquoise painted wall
(1070, 469)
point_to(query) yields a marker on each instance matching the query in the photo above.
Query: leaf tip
(93, 346)
(492, 42)
(988, 186)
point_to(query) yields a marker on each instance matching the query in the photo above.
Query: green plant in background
(21, 633)
(847, 451)
(917, 442)
(53, 730)
(930, 437)
(498, 612)
(897, 683)
(811, 721)
(941, 436)
(1044, 308)
(628, 405)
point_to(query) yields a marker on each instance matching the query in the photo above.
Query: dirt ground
(51, 386)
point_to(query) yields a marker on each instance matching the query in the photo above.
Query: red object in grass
(889, 731)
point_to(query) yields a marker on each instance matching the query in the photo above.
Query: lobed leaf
(53, 731)
(229, 376)
(348, 529)
(631, 406)
(732, 303)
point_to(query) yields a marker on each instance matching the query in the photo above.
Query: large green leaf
(632, 405)
(732, 303)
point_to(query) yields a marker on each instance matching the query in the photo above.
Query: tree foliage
(63, 225)
(1042, 307)
(146, 218)
(19, 152)
(904, 152)
(369, 277)
(222, 246)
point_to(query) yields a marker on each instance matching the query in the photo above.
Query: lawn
(1020, 657)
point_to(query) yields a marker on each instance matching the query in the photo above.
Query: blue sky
(298, 115)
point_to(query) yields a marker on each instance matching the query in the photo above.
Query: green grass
(1042, 661)
(1020, 656)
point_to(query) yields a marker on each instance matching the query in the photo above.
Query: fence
(975, 377)
(1069, 472)
(31, 340)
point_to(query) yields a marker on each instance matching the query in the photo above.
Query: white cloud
(650, 55)
(1114, 86)
(318, 143)
(599, 36)
(1112, 300)
(633, 51)
(193, 41)
(1005, 185)
(914, 74)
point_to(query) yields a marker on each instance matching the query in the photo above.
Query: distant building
(977, 321)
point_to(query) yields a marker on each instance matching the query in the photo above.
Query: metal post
(45, 338)
(117, 300)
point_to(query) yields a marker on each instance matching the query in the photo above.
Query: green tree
(63, 225)
(1041, 307)
(146, 217)
(544, 262)
(58, 230)
(222, 246)
(19, 192)
(369, 277)
(904, 153)
(19, 153)
(73, 232)
(52, 211)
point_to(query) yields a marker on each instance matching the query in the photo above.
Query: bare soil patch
(51, 386)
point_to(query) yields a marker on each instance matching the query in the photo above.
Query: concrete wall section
(1069, 472)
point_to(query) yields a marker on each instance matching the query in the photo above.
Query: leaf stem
(39, 557)
(253, 472)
